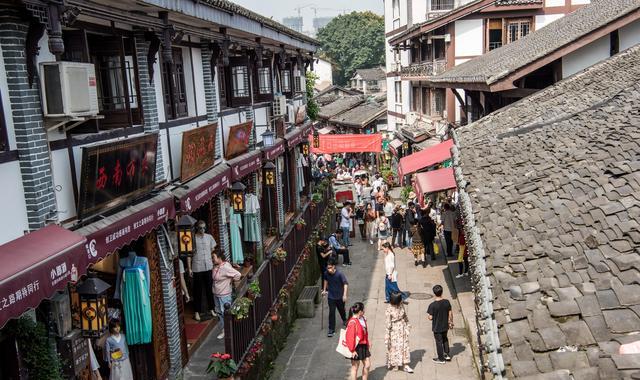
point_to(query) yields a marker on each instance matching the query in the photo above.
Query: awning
(433, 181)
(245, 164)
(394, 145)
(115, 231)
(201, 189)
(425, 158)
(355, 143)
(37, 265)
(297, 135)
(274, 151)
(326, 130)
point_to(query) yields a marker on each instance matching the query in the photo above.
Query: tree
(312, 106)
(353, 41)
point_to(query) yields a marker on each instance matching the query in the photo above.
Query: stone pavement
(310, 355)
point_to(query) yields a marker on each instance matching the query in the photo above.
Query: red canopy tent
(348, 143)
(425, 158)
(434, 180)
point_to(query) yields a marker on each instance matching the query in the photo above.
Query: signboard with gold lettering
(198, 151)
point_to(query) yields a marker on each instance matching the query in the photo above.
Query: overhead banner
(348, 143)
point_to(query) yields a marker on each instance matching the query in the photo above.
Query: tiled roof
(376, 73)
(553, 185)
(499, 63)
(237, 9)
(339, 105)
(361, 115)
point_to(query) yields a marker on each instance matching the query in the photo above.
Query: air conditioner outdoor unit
(279, 105)
(68, 89)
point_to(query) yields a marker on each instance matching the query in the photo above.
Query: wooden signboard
(198, 151)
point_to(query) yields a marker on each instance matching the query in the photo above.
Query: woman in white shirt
(391, 274)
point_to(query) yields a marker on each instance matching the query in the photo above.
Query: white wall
(585, 56)
(199, 80)
(468, 37)
(629, 35)
(261, 121)
(324, 71)
(544, 20)
(554, 3)
(63, 184)
(14, 221)
(576, 2)
(157, 84)
(419, 11)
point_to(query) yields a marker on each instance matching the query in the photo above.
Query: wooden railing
(422, 70)
(271, 275)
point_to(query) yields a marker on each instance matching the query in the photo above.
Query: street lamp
(269, 170)
(186, 243)
(237, 197)
(316, 139)
(93, 306)
(268, 138)
(405, 147)
(305, 148)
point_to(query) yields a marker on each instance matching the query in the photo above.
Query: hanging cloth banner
(348, 143)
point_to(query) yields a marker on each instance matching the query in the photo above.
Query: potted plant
(280, 255)
(300, 223)
(240, 308)
(253, 291)
(222, 366)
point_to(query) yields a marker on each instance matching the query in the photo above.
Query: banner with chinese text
(348, 143)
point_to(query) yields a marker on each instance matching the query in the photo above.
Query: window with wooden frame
(395, 6)
(398, 91)
(439, 101)
(415, 99)
(517, 28)
(425, 51)
(174, 90)
(262, 83)
(415, 52)
(239, 81)
(426, 102)
(286, 87)
(298, 80)
(502, 31)
(223, 87)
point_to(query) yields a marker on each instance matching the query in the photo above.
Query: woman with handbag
(357, 340)
(396, 338)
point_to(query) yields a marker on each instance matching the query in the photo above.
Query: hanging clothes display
(251, 229)
(136, 299)
(302, 162)
(235, 224)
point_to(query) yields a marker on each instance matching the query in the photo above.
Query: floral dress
(396, 338)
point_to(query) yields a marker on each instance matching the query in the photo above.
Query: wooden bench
(309, 297)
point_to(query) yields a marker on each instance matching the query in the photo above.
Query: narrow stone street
(310, 355)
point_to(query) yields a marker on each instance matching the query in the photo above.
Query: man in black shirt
(441, 317)
(324, 253)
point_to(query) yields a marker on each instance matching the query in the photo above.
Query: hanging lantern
(316, 139)
(305, 148)
(237, 197)
(186, 243)
(93, 306)
(269, 174)
(405, 147)
(268, 138)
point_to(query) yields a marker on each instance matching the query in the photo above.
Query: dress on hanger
(235, 224)
(251, 230)
(300, 172)
(136, 298)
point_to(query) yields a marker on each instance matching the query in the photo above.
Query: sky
(277, 9)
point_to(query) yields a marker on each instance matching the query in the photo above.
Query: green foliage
(36, 351)
(312, 106)
(354, 40)
(404, 194)
(254, 288)
(222, 365)
(240, 308)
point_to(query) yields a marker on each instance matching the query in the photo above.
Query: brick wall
(218, 202)
(26, 111)
(279, 194)
(148, 99)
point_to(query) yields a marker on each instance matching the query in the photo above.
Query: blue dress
(235, 224)
(136, 301)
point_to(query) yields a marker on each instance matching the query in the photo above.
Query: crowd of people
(426, 231)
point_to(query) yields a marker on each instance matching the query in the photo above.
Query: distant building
(294, 23)
(369, 80)
(320, 22)
(323, 68)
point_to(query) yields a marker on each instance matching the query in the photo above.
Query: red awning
(433, 181)
(353, 143)
(245, 164)
(201, 189)
(35, 266)
(297, 135)
(270, 153)
(425, 158)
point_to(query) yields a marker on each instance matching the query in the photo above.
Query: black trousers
(463, 267)
(345, 253)
(449, 241)
(428, 250)
(398, 237)
(442, 344)
(363, 231)
(333, 305)
(202, 291)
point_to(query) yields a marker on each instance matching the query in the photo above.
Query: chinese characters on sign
(238, 142)
(114, 171)
(348, 144)
(198, 151)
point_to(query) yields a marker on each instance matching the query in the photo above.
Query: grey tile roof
(361, 115)
(499, 63)
(339, 105)
(235, 8)
(553, 184)
(375, 73)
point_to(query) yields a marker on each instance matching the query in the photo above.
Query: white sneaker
(221, 335)
(371, 242)
(460, 275)
(407, 369)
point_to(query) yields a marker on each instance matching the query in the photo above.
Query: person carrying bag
(354, 342)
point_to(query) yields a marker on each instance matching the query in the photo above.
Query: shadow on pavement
(456, 349)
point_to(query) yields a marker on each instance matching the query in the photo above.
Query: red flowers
(220, 356)
(225, 357)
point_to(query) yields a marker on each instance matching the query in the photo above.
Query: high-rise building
(320, 22)
(294, 23)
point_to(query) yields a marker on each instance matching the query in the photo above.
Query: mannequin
(134, 285)
(199, 268)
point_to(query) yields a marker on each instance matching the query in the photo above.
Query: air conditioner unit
(411, 117)
(279, 105)
(68, 89)
(291, 113)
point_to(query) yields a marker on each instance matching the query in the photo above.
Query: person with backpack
(384, 231)
(441, 317)
(357, 339)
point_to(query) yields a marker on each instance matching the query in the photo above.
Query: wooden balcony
(423, 70)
